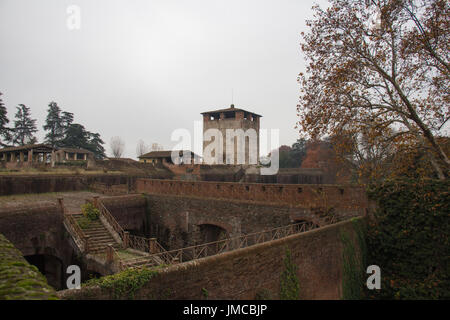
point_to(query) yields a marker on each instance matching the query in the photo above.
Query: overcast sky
(139, 69)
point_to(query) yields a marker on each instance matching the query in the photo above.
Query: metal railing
(81, 240)
(110, 219)
(217, 247)
(147, 245)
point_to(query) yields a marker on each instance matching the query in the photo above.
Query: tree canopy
(378, 72)
(24, 127)
(4, 130)
(78, 137)
(292, 157)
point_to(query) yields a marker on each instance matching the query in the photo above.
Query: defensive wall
(182, 213)
(22, 184)
(37, 230)
(342, 197)
(178, 214)
(252, 272)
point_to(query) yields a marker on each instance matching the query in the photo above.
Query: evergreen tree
(54, 125)
(78, 137)
(4, 131)
(24, 127)
(66, 120)
(57, 123)
(96, 146)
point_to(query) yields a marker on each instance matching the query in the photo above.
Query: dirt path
(72, 200)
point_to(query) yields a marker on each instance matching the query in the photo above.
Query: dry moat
(228, 238)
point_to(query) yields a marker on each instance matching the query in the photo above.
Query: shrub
(289, 286)
(90, 212)
(409, 239)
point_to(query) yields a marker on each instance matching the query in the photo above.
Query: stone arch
(50, 266)
(210, 231)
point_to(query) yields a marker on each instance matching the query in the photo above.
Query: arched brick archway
(223, 225)
(210, 231)
(50, 266)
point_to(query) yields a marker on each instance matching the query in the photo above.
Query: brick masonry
(179, 210)
(247, 273)
(21, 184)
(341, 197)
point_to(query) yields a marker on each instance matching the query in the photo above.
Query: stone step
(95, 226)
(102, 240)
(103, 243)
(98, 233)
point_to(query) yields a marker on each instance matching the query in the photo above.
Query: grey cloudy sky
(140, 69)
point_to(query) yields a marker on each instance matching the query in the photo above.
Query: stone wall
(339, 197)
(251, 272)
(21, 184)
(18, 279)
(32, 227)
(37, 230)
(129, 211)
(177, 221)
(181, 213)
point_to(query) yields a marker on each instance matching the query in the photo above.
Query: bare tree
(141, 148)
(117, 146)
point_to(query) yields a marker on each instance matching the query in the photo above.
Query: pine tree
(4, 131)
(24, 127)
(78, 137)
(96, 146)
(54, 125)
(57, 123)
(66, 120)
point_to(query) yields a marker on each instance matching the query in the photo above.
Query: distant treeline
(60, 130)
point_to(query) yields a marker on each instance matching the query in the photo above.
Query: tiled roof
(231, 109)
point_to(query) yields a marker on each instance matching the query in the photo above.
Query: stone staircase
(105, 242)
(99, 236)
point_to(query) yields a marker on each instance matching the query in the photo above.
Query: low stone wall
(129, 211)
(18, 279)
(251, 272)
(34, 227)
(177, 221)
(18, 184)
(37, 230)
(342, 198)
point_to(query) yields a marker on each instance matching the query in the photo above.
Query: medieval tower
(239, 134)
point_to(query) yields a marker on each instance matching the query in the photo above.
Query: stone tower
(240, 132)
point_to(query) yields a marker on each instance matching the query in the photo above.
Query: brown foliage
(382, 84)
